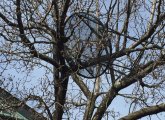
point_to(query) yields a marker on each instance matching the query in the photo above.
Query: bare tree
(91, 51)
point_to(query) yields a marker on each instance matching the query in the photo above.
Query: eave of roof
(24, 110)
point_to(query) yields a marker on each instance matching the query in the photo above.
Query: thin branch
(41, 101)
(8, 21)
(150, 32)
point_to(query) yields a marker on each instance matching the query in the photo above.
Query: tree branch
(150, 32)
(144, 112)
(7, 21)
(129, 79)
(82, 85)
(126, 23)
(112, 57)
(27, 42)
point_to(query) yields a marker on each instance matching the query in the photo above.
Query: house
(22, 112)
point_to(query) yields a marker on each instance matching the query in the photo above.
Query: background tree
(91, 52)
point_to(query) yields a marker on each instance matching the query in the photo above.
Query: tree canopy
(86, 54)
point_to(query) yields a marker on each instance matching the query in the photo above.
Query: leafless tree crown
(89, 54)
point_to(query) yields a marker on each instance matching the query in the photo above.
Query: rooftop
(11, 110)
